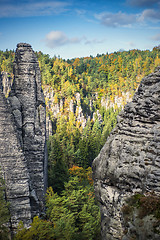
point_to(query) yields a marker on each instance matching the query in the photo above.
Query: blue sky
(78, 28)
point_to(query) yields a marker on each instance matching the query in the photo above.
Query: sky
(80, 28)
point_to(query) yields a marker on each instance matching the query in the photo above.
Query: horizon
(75, 29)
(58, 56)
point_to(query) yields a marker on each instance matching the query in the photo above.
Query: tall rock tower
(27, 110)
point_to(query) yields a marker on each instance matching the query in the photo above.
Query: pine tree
(57, 169)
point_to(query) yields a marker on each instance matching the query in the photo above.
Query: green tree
(74, 214)
(39, 230)
(57, 169)
(4, 212)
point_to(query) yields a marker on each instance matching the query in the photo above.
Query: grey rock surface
(129, 162)
(27, 110)
(14, 169)
(6, 82)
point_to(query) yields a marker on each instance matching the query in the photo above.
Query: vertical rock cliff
(6, 82)
(13, 167)
(129, 162)
(27, 111)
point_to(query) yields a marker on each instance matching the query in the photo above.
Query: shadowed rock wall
(129, 162)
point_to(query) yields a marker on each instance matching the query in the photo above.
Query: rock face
(117, 101)
(6, 82)
(13, 166)
(129, 162)
(27, 115)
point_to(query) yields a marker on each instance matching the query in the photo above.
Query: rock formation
(7, 81)
(129, 162)
(24, 139)
(82, 112)
(117, 101)
(13, 166)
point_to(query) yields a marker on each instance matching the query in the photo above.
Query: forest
(104, 84)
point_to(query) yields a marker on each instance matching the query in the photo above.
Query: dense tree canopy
(73, 215)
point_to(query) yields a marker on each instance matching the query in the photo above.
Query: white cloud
(142, 3)
(116, 19)
(57, 38)
(121, 19)
(154, 27)
(156, 37)
(23, 9)
(150, 14)
(130, 44)
(80, 12)
(94, 41)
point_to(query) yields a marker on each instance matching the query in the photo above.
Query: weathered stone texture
(129, 162)
(6, 81)
(27, 96)
(14, 168)
(27, 106)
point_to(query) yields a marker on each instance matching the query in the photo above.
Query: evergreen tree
(57, 169)
(4, 213)
(73, 215)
